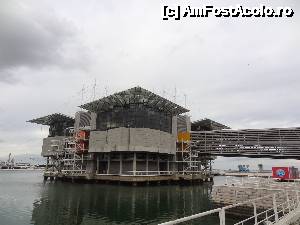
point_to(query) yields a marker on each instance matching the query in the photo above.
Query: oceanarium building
(133, 135)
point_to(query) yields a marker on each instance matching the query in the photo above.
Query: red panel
(83, 135)
(281, 173)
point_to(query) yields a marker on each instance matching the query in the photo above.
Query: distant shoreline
(31, 169)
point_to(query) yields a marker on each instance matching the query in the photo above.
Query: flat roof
(52, 118)
(136, 95)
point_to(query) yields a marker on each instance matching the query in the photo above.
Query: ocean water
(26, 199)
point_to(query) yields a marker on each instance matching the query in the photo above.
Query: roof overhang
(206, 121)
(136, 95)
(53, 118)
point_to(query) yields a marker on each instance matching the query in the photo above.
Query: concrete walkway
(293, 218)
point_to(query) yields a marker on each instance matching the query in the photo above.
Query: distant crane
(10, 161)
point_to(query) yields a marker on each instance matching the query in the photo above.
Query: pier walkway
(256, 201)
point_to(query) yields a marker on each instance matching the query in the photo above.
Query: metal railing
(283, 202)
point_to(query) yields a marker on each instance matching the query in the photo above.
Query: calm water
(26, 199)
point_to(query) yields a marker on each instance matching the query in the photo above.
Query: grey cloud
(32, 39)
(241, 72)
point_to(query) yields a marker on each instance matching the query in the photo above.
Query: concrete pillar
(134, 164)
(121, 163)
(47, 164)
(174, 164)
(168, 165)
(147, 163)
(158, 163)
(108, 163)
(97, 170)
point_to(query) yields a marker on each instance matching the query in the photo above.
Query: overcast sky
(241, 72)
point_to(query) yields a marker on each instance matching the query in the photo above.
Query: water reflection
(66, 203)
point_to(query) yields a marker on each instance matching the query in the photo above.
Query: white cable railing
(284, 202)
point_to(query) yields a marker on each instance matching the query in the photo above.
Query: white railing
(284, 202)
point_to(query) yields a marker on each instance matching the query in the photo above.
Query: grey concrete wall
(132, 139)
(93, 120)
(48, 150)
(188, 123)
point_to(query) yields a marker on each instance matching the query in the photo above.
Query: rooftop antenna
(94, 90)
(184, 100)
(82, 93)
(175, 94)
(106, 90)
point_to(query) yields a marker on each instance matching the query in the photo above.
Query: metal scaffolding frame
(67, 160)
(273, 142)
(72, 162)
(190, 161)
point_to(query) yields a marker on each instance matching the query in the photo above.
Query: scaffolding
(73, 161)
(68, 157)
(188, 159)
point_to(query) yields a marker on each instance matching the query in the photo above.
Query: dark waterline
(26, 199)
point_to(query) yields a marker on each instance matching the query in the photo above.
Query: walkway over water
(273, 142)
(257, 202)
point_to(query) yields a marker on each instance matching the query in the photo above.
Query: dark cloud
(31, 39)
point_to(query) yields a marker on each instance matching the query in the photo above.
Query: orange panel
(184, 136)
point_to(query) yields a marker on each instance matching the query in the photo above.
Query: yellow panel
(184, 136)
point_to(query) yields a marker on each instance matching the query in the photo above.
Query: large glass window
(136, 116)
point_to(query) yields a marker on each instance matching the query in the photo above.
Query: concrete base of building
(132, 180)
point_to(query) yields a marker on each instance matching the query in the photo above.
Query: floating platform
(134, 180)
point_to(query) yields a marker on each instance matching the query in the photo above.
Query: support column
(81, 166)
(147, 163)
(47, 164)
(121, 163)
(108, 163)
(97, 170)
(168, 165)
(158, 164)
(174, 164)
(134, 164)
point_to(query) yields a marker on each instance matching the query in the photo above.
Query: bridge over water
(273, 142)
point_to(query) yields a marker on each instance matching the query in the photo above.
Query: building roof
(53, 118)
(207, 124)
(136, 95)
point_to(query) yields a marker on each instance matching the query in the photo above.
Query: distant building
(207, 125)
(243, 168)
